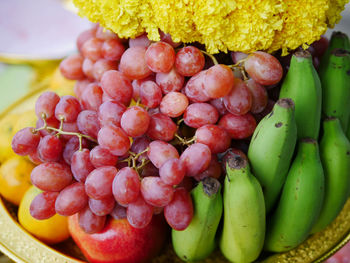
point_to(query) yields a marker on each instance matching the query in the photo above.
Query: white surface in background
(38, 29)
(344, 24)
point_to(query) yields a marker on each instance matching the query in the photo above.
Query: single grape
(98, 184)
(85, 36)
(102, 207)
(167, 38)
(172, 171)
(238, 126)
(239, 100)
(51, 176)
(214, 170)
(81, 165)
(117, 86)
(194, 88)
(139, 213)
(155, 192)
(110, 113)
(189, 61)
(80, 86)
(91, 97)
(89, 222)
(218, 81)
(159, 152)
(34, 157)
(87, 68)
(114, 139)
(238, 56)
(199, 114)
(43, 205)
(88, 124)
(138, 145)
(101, 66)
(71, 147)
(112, 49)
(264, 68)
(101, 157)
(105, 34)
(174, 104)
(135, 121)
(150, 94)
(71, 67)
(170, 81)
(50, 148)
(91, 49)
(160, 57)
(71, 200)
(133, 63)
(259, 96)
(126, 186)
(161, 127)
(179, 212)
(118, 212)
(140, 41)
(149, 170)
(67, 109)
(25, 141)
(196, 158)
(136, 84)
(214, 136)
(219, 105)
(45, 105)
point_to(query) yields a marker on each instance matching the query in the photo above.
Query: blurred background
(36, 34)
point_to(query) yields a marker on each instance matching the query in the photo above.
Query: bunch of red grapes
(148, 120)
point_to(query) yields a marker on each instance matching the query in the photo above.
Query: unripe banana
(335, 158)
(243, 231)
(301, 200)
(303, 86)
(197, 241)
(336, 87)
(271, 149)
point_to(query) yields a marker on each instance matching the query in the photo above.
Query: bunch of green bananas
(297, 178)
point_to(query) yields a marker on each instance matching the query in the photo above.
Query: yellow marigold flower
(237, 25)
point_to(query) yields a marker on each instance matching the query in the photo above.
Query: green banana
(338, 40)
(336, 87)
(243, 231)
(197, 241)
(271, 149)
(303, 86)
(301, 200)
(335, 157)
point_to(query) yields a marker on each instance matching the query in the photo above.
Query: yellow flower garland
(237, 25)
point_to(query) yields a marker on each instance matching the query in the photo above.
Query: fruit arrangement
(163, 130)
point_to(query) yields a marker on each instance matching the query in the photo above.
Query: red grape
(140, 41)
(71, 147)
(218, 81)
(239, 100)
(105, 34)
(80, 86)
(237, 56)
(174, 104)
(50, 148)
(81, 165)
(167, 38)
(320, 46)
(199, 114)
(88, 124)
(51, 176)
(69, 127)
(215, 137)
(91, 97)
(71, 200)
(179, 212)
(239, 127)
(101, 66)
(89, 222)
(25, 141)
(189, 61)
(159, 152)
(71, 67)
(172, 171)
(85, 36)
(114, 139)
(34, 157)
(118, 212)
(43, 205)
(52, 122)
(133, 63)
(136, 84)
(110, 113)
(160, 57)
(135, 121)
(267, 110)
(149, 170)
(45, 105)
(87, 68)
(139, 213)
(102, 207)
(170, 81)
(264, 68)
(150, 94)
(214, 170)
(117, 86)
(196, 158)
(219, 105)
(259, 96)
(155, 192)
(98, 184)
(126, 186)
(67, 109)
(194, 88)
(112, 49)
(91, 49)
(101, 157)
(161, 127)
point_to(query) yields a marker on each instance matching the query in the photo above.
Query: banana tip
(210, 186)
(286, 103)
(340, 52)
(236, 162)
(302, 54)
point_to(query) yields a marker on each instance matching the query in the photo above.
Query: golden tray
(20, 246)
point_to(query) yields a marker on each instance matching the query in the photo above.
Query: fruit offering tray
(20, 246)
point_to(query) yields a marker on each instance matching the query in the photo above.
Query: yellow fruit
(15, 178)
(50, 231)
(25, 119)
(6, 132)
(61, 85)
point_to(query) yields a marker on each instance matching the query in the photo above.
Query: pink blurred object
(342, 256)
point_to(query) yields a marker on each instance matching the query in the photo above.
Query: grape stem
(241, 68)
(183, 141)
(131, 160)
(211, 57)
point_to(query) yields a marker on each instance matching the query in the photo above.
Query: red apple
(119, 242)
